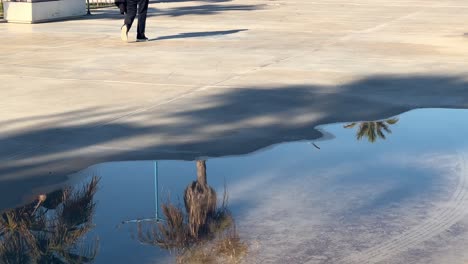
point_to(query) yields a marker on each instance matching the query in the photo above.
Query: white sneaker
(124, 33)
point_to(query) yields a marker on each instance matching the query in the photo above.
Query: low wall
(43, 11)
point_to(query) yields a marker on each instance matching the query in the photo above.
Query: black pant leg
(142, 11)
(131, 12)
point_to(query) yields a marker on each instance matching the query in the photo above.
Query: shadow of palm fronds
(50, 229)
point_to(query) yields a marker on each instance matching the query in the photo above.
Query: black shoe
(124, 33)
(142, 39)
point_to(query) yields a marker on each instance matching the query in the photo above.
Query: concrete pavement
(219, 78)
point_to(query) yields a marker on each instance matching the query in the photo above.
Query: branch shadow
(210, 9)
(230, 122)
(205, 9)
(183, 1)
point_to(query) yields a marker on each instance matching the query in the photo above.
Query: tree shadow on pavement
(227, 121)
(210, 9)
(183, 1)
(206, 9)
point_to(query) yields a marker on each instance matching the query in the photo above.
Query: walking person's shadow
(199, 34)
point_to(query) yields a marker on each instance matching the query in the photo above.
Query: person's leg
(131, 13)
(122, 8)
(142, 11)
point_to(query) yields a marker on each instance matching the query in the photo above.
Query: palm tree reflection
(373, 130)
(50, 230)
(203, 233)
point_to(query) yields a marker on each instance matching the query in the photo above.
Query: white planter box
(34, 12)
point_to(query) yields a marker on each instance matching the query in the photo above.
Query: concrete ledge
(36, 12)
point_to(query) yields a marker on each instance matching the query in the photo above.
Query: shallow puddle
(368, 192)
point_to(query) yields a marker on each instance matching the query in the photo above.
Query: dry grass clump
(172, 234)
(50, 229)
(231, 246)
(219, 243)
(226, 248)
(200, 204)
(203, 233)
(229, 250)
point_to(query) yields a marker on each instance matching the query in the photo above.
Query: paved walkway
(219, 77)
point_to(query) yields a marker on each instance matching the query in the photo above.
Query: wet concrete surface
(221, 78)
(371, 192)
(248, 74)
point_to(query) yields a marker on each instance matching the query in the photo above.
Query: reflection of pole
(156, 199)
